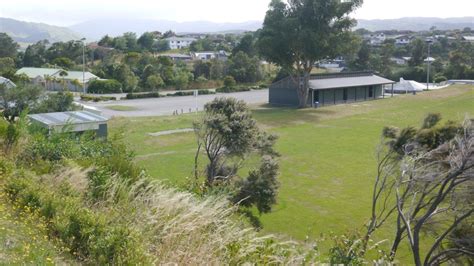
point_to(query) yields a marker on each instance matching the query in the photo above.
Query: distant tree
(161, 45)
(217, 70)
(63, 62)
(246, 45)
(7, 66)
(106, 41)
(8, 47)
(55, 102)
(417, 52)
(201, 45)
(298, 34)
(146, 41)
(182, 79)
(202, 69)
(362, 61)
(169, 34)
(15, 101)
(131, 40)
(244, 68)
(154, 82)
(35, 54)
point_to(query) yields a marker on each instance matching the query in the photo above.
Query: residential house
(402, 40)
(399, 61)
(331, 89)
(179, 42)
(221, 55)
(56, 79)
(178, 57)
(468, 38)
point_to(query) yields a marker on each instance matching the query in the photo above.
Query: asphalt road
(168, 105)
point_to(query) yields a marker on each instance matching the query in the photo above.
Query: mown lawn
(328, 155)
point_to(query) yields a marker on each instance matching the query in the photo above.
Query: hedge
(91, 98)
(131, 96)
(105, 86)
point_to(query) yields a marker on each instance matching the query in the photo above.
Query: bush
(206, 92)
(229, 82)
(105, 86)
(440, 78)
(91, 98)
(131, 96)
(233, 89)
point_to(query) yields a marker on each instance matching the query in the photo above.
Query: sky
(66, 13)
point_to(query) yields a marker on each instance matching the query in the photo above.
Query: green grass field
(328, 155)
(121, 108)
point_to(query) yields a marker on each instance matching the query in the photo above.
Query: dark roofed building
(330, 89)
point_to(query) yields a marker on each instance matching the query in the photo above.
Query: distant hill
(96, 29)
(30, 32)
(416, 24)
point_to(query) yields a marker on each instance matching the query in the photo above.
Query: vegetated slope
(29, 32)
(328, 155)
(416, 24)
(24, 238)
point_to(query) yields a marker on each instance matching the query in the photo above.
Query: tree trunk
(303, 89)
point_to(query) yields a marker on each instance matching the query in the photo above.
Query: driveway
(169, 105)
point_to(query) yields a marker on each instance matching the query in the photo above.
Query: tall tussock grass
(144, 222)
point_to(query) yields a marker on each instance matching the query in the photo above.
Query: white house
(399, 61)
(402, 40)
(468, 38)
(377, 39)
(179, 42)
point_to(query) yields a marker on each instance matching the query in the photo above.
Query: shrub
(131, 96)
(105, 86)
(232, 89)
(229, 82)
(206, 92)
(440, 78)
(91, 98)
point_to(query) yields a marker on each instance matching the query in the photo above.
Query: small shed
(77, 122)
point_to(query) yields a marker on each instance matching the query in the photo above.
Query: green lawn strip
(121, 108)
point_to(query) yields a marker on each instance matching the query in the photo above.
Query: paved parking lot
(168, 105)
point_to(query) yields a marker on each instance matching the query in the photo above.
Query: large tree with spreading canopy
(297, 34)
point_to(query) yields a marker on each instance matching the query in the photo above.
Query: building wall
(283, 93)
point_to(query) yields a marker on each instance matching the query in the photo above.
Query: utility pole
(83, 65)
(429, 65)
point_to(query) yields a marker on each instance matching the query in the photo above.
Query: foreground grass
(328, 155)
(24, 239)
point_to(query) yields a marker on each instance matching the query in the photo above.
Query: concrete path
(168, 105)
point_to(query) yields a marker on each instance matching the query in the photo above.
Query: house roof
(34, 72)
(8, 83)
(72, 75)
(346, 80)
(67, 118)
(408, 85)
(469, 38)
(181, 39)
